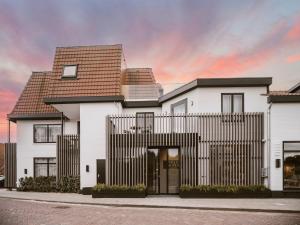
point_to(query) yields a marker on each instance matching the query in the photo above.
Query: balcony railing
(142, 92)
(215, 148)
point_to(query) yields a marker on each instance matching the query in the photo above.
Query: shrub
(39, 184)
(103, 188)
(224, 189)
(69, 184)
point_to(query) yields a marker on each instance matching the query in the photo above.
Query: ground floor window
(291, 165)
(44, 167)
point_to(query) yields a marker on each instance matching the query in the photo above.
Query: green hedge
(224, 189)
(48, 184)
(103, 188)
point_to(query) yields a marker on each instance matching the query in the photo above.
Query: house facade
(92, 116)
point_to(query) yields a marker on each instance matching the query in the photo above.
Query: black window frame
(41, 142)
(69, 77)
(289, 151)
(48, 163)
(145, 116)
(232, 101)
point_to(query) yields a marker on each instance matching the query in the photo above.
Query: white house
(91, 116)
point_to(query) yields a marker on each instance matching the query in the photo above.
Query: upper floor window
(232, 102)
(46, 133)
(179, 107)
(145, 122)
(69, 71)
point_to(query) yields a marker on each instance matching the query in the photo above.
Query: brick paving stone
(19, 212)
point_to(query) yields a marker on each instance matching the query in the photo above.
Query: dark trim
(83, 99)
(283, 151)
(232, 101)
(140, 104)
(34, 163)
(69, 77)
(40, 116)
(35, 125)
(183, 101)
(218, 82)
(284, 99)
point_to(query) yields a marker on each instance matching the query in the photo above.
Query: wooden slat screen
(10, 165)
(68, 156)
(215, 148)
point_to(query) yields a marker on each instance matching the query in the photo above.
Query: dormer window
(70, 71)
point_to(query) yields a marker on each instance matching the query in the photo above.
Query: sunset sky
(181, 40)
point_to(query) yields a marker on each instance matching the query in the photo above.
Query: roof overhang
(284, 99)
(35, 116)
(83, 99)
(218, 82)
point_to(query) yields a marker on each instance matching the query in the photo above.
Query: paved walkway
(263, 205)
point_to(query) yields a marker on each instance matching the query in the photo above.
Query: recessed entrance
(163, 170)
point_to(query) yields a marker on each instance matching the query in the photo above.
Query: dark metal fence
(215, 148)
(10, 165)
(68, 156)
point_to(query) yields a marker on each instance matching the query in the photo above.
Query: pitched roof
(283, 97)
(138, 76)
(30, 102)
(295, 88)
(98, 71)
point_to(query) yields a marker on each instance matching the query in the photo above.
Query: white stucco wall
(209, 99)
(93, 137)
(27, 149)
(285, 126)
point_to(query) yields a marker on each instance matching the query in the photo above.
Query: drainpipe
(269, 144)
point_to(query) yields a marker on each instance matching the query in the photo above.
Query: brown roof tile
(31, 100)
(98, 71)
(134, 76)
(282, 93)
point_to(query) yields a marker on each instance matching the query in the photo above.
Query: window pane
(40, 133)
(226, 106)
(40, 170)
(292, 146)
(179, 109)
(69, 71)
(54, 130)
(40, 160)
(237, 103)
(52, 160)
(291, 168)
(52, 170)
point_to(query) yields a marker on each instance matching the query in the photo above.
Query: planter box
(194, 194)
(118, 194)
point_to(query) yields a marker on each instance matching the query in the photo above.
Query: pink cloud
(294, 32)
(293, 58)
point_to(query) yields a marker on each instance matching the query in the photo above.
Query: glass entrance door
(163, 171)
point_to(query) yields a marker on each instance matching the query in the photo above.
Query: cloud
(293, 58)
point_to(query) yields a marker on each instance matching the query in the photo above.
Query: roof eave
(82, 99)
(284, 99)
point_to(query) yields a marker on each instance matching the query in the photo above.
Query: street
(19, 212)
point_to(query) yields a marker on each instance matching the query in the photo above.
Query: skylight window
(69, 71)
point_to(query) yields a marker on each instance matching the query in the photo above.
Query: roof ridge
(90, 46)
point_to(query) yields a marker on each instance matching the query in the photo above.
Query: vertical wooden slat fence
(10, 165)
(215, 148)
(68, 156)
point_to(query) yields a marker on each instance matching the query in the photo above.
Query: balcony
(142, 92)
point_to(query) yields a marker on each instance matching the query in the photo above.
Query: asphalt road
(18, 212)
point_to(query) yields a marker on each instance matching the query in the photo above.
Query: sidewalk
(258, 205)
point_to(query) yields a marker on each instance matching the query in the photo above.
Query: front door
(163, 170)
